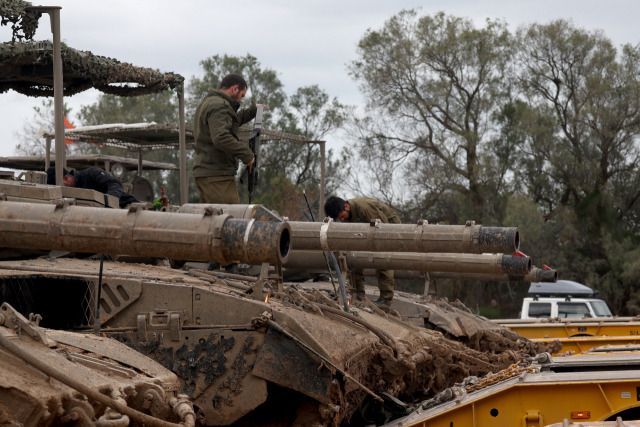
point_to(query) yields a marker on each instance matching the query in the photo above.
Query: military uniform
(218, 147)
(364, 209)
(95, 178)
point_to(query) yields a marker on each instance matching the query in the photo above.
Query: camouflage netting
(27, 67)
(23, 22)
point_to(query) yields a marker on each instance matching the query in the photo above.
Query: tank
(244, 350)
(50, 377)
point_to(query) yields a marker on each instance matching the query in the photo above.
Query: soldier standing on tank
(218, 147)
(365, 209)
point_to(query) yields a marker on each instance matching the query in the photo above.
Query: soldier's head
(337, 208)
(234, 86)
(68, 179)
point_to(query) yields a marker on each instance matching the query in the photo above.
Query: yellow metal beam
(527, 403)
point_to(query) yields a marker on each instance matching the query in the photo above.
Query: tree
(159, 107)
(31, 141)
(593, 95)
(432, 83)
(313, 116)
(264, 86)
(588, 95)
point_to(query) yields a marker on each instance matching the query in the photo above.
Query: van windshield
(600, 308)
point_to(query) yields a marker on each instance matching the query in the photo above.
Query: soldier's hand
(250, 164)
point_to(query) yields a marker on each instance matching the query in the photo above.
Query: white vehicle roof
(561, 288)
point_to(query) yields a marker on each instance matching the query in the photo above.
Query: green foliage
(159, 107)
(491, 312)
(592, 92)
(432, 84)
(537, 130)
(264, 87)
(285, 197)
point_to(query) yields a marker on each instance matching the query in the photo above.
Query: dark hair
(233, 79)
(333, 206)
(51, 175)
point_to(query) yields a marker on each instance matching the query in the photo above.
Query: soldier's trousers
(385, 282)
(218, 189)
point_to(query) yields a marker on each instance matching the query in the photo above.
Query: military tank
(245, 350)
(54, 377)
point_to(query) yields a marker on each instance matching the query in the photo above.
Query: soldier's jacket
(364, 209)
(216, 124)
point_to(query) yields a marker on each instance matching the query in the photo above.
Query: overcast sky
(305, 41)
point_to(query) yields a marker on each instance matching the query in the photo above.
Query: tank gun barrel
(136, 232)
(382, 237)
(535, 275)
(421, 237)
(257, 212)
(498, 264)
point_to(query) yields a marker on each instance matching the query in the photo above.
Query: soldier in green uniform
(364, 209)
(218, 148)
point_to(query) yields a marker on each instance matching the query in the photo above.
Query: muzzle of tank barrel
(496, 239)
(256, 241)
(516, 264)
(544, 274)
(137, 232)
(535, 275)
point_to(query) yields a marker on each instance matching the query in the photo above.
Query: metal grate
(63, 302)
(88, 305)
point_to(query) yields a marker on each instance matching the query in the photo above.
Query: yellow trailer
(567, 328)
(577, 335)
(577, 345)
(578, 389)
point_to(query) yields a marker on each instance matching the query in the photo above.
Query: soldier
(93, 178)
(364, 209)
(218, 148)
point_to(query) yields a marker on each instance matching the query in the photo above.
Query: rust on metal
(138, 232)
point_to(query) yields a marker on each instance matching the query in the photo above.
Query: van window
(600, 308)
(540, 309)
(573, 309)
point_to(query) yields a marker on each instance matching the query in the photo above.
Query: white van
(563, 299)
